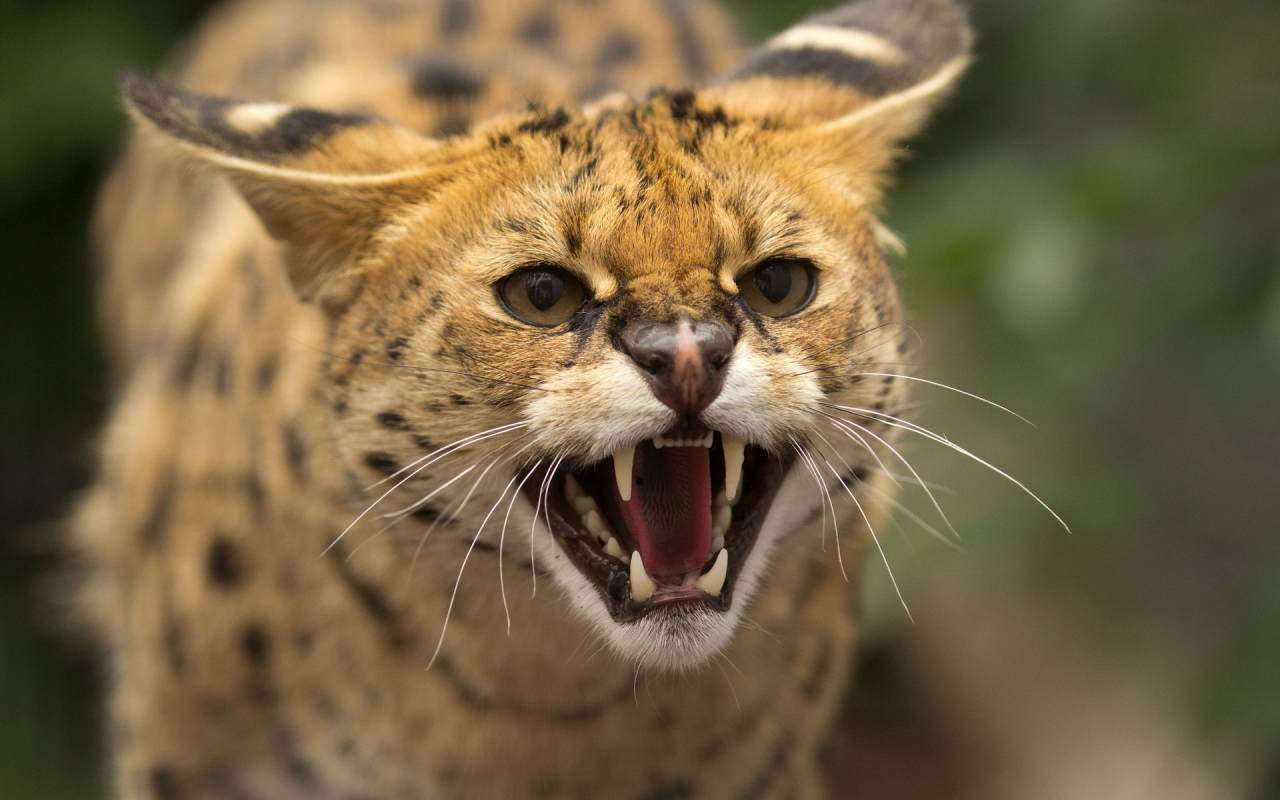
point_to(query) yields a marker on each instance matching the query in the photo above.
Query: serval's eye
(544, 296)
(779, 287)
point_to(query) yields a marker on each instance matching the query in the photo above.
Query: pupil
(774, 282)
(545, 289)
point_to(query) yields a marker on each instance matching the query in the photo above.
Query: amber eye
(544, 296)
(779, 287)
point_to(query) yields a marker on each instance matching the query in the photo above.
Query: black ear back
(260, 131)
(875, 47)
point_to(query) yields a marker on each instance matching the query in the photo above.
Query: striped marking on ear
(878, 47)
(256, 131)
(853, 43)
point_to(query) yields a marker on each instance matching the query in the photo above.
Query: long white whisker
(542, 498)
(449, 449)
(402, 482)
(942, 440)
(871, 529)
(951, 389)
(502, 539)
(835, 516)
(911, 469)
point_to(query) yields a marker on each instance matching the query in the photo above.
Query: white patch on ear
(887, 240)
(256, 117)
(850, 41)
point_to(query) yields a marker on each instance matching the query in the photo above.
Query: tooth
(717, 540)
(734, 449)
(658, 442)
(713, 581)
(584, 504)
(623, 460)
(642, 586)
(572, 489)
(708, 440)
(592, 520)
(724, 515)
(614, 549)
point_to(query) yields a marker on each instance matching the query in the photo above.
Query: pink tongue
(669, 513)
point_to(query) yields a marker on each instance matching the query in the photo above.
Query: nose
(684, 360)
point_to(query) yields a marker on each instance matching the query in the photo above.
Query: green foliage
(1093, 240)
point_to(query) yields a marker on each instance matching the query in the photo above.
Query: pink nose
(684, 360)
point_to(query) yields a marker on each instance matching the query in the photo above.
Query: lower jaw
(763, 474)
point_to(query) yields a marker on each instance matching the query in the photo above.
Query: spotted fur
(278, 357)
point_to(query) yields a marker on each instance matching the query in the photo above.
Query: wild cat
(488, 371)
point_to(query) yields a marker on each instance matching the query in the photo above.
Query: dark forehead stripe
(441, 79)
(203, 120)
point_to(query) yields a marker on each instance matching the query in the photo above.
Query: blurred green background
(1094, 240)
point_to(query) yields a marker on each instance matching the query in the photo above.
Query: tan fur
(261, 652)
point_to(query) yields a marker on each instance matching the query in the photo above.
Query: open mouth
(665, 524)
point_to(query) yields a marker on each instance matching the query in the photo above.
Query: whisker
(952, 389)
(835, 517)
(871, 529)
(451, 448)
(911, 469)
(542, 498)
(502, 538)
(942, 440)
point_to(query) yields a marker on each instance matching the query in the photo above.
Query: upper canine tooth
(713, 581)
(572, 489)
(734, 448)
(642, 586)
(623, 459)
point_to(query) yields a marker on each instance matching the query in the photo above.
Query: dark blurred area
(1093, 231)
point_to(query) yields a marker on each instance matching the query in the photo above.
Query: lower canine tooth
(614, 549)
(713, 581)
(642, 586)
(623, 459)
(734, 450)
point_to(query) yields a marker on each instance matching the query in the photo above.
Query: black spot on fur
(370, 598)
(397, 347)
(175, 646)
(485, 547)
(619, 48)
(202, 120)
(157, 521)
(295, 451)
(444, 80)
(539, 30)
(382, 462)
(459, 400)
(165, 784)
(184, 369)
(426, 513)
(266, 375)
(545, 123)
(437, 300)
(222, 374)
(255, 644)
(457, 18)
(224, 564)
(392, 420)
(424, 443)
(768, 776)
(818, 672)
(674, 790)
(257, 494)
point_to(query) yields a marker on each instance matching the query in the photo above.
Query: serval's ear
(866, 73)
(323, 183)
